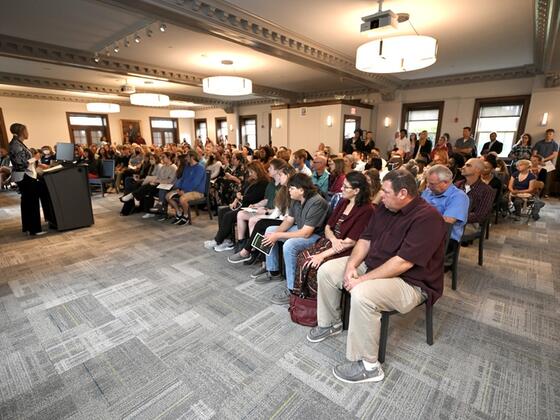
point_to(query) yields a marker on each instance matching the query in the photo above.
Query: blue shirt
(321, 182)
(193, 178)
(452, 203)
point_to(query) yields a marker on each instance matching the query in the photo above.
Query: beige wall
(459, 103)
(47, 124)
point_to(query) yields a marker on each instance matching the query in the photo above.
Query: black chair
(202, 201)
(106, 176)
(451, 265)
(385, 323)
(480, 235)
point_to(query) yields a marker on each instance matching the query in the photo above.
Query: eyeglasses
(348, 187)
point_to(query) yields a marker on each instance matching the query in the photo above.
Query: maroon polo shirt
(416, 233)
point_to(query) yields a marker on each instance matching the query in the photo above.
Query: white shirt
(305, 170)
(403, 144)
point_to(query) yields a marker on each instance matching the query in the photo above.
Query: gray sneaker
(258, 272)
(317, 334)
(282, 298)
(355, 373)
(238, 258)
(266, 277)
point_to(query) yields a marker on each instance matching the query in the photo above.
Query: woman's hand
(261, 210)
(337, 245)
(234, 205)
(315, 261)
(239, 196)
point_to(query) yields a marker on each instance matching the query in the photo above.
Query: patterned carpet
(132, 318)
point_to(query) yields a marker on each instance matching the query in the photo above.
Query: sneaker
(126, 198)
(38, 233)
(182, 221)
(155, 209)
(258, 272)
(238, 258)
(282, 298)
(177, 220)
(148, 215)
(210, 244)
(355, 372)
(317, 334)
(227, 245)
(266, 277)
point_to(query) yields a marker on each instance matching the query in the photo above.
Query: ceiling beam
(55, 54)
(74, 86)
(227, 21)
(546, 31)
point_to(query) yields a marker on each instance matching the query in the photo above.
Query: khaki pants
(369, 298)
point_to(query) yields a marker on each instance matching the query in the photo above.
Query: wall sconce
(231, 127)
(329, 121)
(387, 122)
(544, 120)
(278, 123)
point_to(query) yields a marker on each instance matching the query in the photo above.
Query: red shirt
(416, 233)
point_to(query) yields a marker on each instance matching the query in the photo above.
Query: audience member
(548, 149)
(298, 231)
(320, 176)
(423, 147)
(466, 145)
(396, 264)
(521, 184)
(299, 157)
(522, 149)
(492, 146)
(337, 176)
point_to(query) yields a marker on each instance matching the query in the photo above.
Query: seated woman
(270, 218)
(488, 176)
(349, 219)
(266, 205)
(94, 165)
(232, 181)
(252, 193)
(537, 168)
(374, 182)
(337, 176)
(441, 146)
(214, 165)
(521, 184)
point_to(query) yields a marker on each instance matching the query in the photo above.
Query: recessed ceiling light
(227, 62)
(137, 39)
(148, 82)
(163, 27)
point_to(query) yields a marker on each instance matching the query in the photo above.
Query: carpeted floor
(132, 318)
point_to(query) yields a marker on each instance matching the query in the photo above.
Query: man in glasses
(481, 195)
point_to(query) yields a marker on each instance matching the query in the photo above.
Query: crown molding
(54, 97)
(474, 77)
(226, 21)
(55, 54)
(552, 80)
(354, 103)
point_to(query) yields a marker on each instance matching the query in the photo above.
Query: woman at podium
(23, 173)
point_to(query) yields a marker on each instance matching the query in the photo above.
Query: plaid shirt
(481, 200)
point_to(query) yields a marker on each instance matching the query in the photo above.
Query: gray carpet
(133, 318)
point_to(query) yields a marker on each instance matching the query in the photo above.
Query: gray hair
(443, 173)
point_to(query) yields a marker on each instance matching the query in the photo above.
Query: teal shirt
(321, 182)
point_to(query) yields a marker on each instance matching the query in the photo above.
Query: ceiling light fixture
(181, 113)
(227, 86)
(149, 99)
(397, 54)
(163, 27)
(393, 54)
(103, 107)
(116, 48)
(96, 58)
(137, 38)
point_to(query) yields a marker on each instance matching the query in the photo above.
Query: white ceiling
(473, 35)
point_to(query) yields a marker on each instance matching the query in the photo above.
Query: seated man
(190, 186)
(396, 264)
(451, 202)
(320, 175)
(481, 195)
(299, 230)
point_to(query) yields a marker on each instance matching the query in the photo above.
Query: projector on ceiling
(385, 19)
(128, 89)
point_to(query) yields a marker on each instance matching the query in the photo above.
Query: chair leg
(383, 337)
(481, 250)
(189, 215)
(102, 190)
(488, 231)
(209, 208)
(454, 272)
(345, 308)
(429, 324)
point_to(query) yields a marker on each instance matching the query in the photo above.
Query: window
(423, 116)
(248, 127)
(221, 130)
(351, 124)
(201, 129)
(164, 131)
(504, 116)
(88, 129)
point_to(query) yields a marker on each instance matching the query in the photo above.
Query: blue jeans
(292, 247)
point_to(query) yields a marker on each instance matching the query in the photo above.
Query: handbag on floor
(303, 309)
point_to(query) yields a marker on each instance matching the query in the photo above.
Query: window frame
(423, 106)
(88, 128)
(175, 130)
(197, 121)
(218, 125)
(242, 119)
(523, 100)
